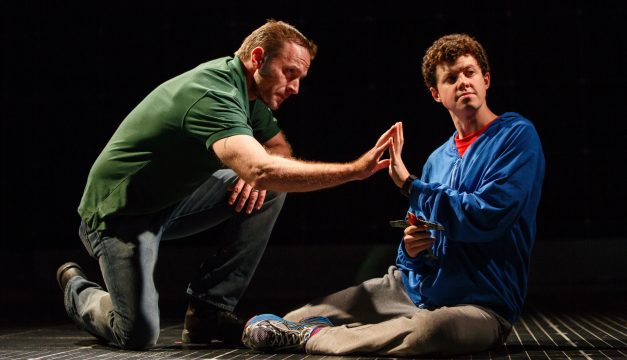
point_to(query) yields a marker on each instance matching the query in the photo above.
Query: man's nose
(463, 81)
(293, 86)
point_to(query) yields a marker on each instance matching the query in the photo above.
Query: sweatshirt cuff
(408, 184)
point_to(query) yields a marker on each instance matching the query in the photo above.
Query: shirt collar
(237, 67)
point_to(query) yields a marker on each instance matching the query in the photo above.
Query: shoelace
(292, 336)
(282, 338)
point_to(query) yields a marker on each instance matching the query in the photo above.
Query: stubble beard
(262, 92)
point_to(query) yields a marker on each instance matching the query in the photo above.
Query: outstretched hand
(371, 162)
(246, 193)
(398, 171)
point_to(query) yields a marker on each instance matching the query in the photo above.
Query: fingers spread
(386, 135)
(383, 164)
(380, 149)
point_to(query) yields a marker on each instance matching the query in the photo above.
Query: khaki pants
(377, 317)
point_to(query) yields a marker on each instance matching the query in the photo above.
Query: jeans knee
(275, 198)
(138, 342)
(137, 345)
(139, 338)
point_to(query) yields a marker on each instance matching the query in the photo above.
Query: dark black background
(71, 73)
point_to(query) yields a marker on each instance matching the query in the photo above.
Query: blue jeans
(127, 312)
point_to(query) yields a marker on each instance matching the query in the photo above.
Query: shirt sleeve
(215, 116)
(504, 191)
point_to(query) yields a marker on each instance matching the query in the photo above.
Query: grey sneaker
(269, 332)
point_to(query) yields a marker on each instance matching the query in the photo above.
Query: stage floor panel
(537, 335)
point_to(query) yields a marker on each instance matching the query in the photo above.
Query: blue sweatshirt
(487, 201)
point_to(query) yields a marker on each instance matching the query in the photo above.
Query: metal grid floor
(537, 335)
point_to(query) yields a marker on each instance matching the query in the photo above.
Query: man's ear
(256, 57)
(435, 94)
(486, 79)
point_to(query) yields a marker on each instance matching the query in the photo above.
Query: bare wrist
(356, 170)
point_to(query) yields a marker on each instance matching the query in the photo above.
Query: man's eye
(471, 71)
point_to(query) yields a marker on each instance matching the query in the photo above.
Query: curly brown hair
(446, 50)
(271, 37)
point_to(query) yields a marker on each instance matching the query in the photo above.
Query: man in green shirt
(201, 149)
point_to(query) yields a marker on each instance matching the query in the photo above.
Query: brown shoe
(204, 322)
(68, 271)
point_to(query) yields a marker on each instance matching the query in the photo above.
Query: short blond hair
(271, 37)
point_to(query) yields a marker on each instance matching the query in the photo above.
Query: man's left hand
(246, 193)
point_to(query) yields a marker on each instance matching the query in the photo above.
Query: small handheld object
(417, 221)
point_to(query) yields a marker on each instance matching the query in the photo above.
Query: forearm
(468, 217)
(260, 169)
(291, 175)
(274, 172)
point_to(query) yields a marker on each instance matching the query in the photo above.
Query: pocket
(87, 237)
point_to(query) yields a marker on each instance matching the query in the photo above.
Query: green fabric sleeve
(216, 116)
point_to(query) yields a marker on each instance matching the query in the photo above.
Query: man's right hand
(370, 162)
(417, 239)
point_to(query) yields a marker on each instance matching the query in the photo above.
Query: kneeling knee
(139, 339)
(138, 343)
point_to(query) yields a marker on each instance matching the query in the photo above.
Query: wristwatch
(406, 188)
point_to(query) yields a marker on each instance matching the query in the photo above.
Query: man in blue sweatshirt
(457, 290)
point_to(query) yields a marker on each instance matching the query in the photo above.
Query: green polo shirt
(162, 151)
